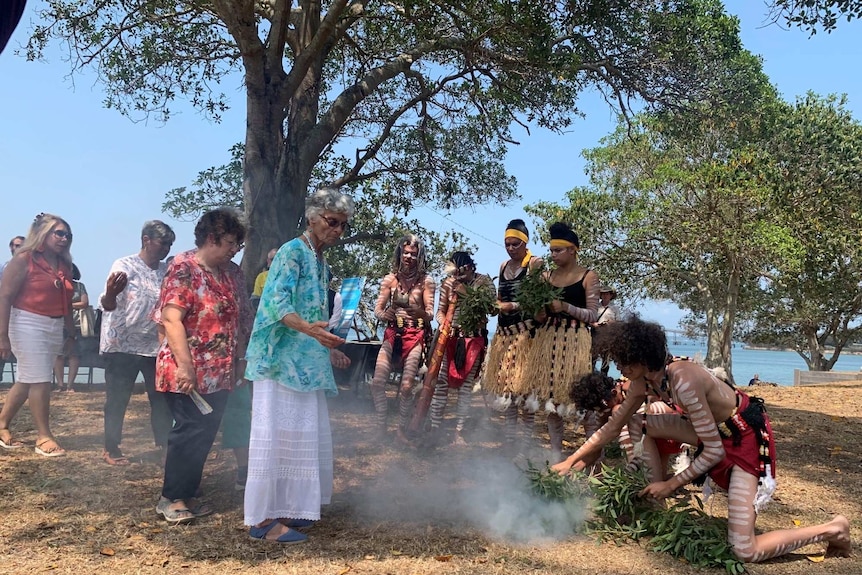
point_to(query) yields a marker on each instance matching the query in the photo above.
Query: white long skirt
(36, 342)
(290, 454)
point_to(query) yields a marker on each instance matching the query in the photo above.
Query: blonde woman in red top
(35, 312)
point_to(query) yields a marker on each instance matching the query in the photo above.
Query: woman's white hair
(328, 200)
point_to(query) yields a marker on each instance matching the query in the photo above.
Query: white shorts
(36, 341)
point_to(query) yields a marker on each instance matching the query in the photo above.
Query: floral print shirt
(130, 328)
(297, 283)
(216, 320)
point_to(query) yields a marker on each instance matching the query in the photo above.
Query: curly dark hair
(633, 341)
(592, 391)
(219, 222)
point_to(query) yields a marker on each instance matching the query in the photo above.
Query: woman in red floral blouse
(204, 314)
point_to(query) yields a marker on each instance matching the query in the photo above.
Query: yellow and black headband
(513, 233)
(563, 244)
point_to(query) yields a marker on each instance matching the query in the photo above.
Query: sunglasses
(335, 223)
(63, 234)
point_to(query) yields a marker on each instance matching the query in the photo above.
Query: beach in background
(771, 366)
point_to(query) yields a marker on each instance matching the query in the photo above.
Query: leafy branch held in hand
(535, 292)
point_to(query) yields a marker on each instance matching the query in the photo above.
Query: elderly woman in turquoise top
(296, 285)
(290, 358)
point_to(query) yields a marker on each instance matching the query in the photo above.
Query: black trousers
(189, 442)
(121, 371)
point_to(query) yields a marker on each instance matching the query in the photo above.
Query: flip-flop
(119, 460)
(56, 451)
(11, 444)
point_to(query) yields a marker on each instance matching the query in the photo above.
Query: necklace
(321, 274)
(407, 280)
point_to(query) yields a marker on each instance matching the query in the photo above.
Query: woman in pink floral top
(204, 315)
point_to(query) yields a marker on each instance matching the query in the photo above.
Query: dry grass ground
(394, 511)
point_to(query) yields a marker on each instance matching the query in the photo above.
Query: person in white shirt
(129, 337)
(608, 313)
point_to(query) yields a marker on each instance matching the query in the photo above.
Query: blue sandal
(289, 537)
(299, 523)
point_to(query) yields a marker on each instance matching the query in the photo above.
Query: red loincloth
(746, 455)
(668, 446)
(410, 338)
(475, 352)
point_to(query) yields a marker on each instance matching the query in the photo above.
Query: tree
(423, 91)
(814, 300)
(678, 206)
(814, 14)
(366, 249)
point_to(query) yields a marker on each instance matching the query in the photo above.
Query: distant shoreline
(775, 348)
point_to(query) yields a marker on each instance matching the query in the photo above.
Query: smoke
(489, 493)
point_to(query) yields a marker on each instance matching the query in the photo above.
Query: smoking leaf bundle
(552, 486)
(535, 292)
(684, 530)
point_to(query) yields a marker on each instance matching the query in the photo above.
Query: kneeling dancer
(733, 430)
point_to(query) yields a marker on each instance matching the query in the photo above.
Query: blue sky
(62, 152)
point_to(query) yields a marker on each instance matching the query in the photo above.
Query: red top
(45, 291)
(216, 311)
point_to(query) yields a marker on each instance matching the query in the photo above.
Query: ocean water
(773, 366)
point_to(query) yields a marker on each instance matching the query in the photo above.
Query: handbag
(88, 321)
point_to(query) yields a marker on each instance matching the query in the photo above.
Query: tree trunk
(814, 359)
(273, 201)
(278, 161)
(719, 351)
(713, 338)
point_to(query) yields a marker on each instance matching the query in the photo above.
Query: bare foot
(840, 544)
(458, 441)
(402, 438)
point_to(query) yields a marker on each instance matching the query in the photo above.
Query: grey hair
(157, 230)
(328, 200)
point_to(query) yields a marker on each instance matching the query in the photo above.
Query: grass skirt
(506, 358)
(557, 357)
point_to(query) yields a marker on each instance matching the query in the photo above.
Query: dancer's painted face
(409, 256)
